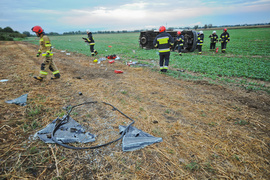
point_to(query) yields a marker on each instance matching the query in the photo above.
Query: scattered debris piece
(111, 56)
(181, 70)
(110, 46)
(69, 132)
(63, 51)
(111, 61)
(117, 58)
(95, 60)
(118, 71)
(19, 101)
(80, 93)
(135, 139)
(68, 54)
(131, 63)
(3, 80)
(102, 59)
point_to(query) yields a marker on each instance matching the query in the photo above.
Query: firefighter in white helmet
(45, 49)
(213, 41)
(90, 40)
(200, 41)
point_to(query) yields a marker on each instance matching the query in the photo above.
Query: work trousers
(199, 48)
(223, 46)
(212, 45)
(47, 65)
(164, 56)
(179, 49)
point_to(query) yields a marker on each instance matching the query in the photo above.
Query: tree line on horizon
(8, 34)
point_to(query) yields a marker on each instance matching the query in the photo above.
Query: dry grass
(208, 131)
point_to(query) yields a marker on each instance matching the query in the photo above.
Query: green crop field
(245, 64)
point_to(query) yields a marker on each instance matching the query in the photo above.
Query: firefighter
(200, 41)
(213, 41)
(163, 41)
(180, 42)
(90, 40)
(45, 49)
(224, 39)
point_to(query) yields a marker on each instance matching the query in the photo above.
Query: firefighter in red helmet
(163, 41)
(180, 42)
(45, 49)
(224, 39)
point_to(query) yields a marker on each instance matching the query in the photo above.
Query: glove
(47, 55)
(38, 54)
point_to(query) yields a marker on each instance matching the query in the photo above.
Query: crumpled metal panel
(19, 101)
(135, 139)
(70, 132)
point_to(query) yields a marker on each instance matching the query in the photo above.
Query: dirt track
(208, 131)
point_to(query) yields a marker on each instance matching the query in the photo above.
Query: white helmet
(214, 32)
(87, 30)
(201, 32)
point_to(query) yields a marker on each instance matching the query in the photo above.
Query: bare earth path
(208, 131)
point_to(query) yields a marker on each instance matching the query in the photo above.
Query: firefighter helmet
(179, 32)
(162, 29)
(225, 29)
(214, 32)
(37, 29)
(201, 32)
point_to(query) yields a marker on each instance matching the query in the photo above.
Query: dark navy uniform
(200, 42)
(180, 43)
(224, 39)
(163, 42)
(90, 40)
(213, 41)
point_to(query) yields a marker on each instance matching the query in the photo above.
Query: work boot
(38, 78)
(96, 53)
(56, 76)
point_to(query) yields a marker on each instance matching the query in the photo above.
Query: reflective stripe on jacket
(225, 37)
(180, 40)
(214, 38)
(200, 39)
(44, 45)
(163, 41)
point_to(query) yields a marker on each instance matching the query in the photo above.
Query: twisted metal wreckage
(67, 130)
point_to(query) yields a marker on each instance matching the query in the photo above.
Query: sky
(103, 15)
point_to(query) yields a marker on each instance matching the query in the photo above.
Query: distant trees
(8, 34)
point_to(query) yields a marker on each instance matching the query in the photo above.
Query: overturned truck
(190, 39)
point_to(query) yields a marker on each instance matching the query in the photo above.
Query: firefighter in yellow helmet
(45, 49)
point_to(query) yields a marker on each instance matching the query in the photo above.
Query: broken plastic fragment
(3, 80)
(118, 71)
(70, 132)
(19, 101)
(135, 139)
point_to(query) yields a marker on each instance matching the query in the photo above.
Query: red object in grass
(109, 46)
(216, 50)
(111, 61)
(118, 71)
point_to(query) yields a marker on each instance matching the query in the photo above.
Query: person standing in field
(163, 42)
(90, 40)
(45, 49)
(213, 41)
(180, 42)
(200, 41)
(224, 39)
